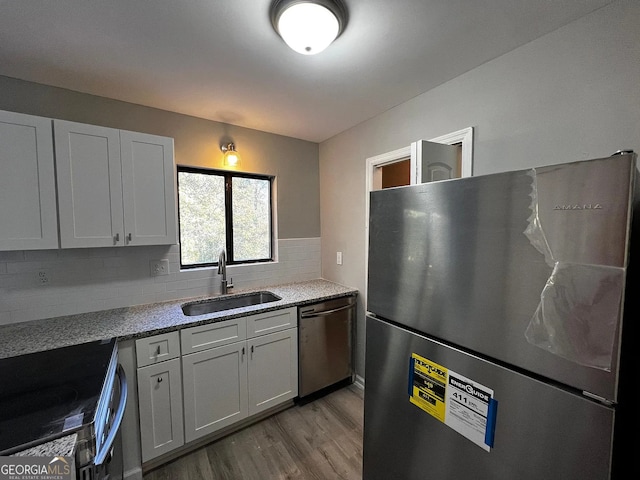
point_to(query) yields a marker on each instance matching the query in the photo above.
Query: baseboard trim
(133, 474)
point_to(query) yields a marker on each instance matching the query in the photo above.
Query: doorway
(394, 174)
(398, 173)
(394, 164)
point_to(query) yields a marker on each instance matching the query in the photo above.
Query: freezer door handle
(324, 313)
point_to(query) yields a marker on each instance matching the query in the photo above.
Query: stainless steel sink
(219, 304)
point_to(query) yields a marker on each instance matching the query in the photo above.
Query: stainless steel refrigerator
(501, 330)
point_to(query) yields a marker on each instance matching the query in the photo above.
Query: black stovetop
(50, 394)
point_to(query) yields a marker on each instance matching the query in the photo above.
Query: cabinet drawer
(270, 322)
(203, 337)
(157, 348)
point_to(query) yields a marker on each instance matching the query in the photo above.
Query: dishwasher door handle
(323, 313)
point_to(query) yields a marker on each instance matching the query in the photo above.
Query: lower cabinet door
(215, 389)
(273, 369)
(160, 407)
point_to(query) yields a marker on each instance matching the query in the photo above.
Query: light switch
(339, 258)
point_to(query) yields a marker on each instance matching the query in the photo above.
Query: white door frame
(464, 137)
(378, 161)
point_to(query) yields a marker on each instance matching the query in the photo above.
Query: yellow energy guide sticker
(462, 404)
(429, 386)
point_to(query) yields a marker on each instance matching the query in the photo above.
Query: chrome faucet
(222, 270)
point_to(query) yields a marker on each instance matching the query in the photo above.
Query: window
(223, 210)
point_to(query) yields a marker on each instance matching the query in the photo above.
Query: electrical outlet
(159, 267)
(43, 277)
(339, 258)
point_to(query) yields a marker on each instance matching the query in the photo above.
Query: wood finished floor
(321, 440)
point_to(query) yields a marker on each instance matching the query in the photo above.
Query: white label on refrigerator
(460, 403)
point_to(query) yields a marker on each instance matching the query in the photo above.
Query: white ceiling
(221, 59)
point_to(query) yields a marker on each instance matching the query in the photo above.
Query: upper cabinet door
(28, 219)
(89, 185)
(148, 183)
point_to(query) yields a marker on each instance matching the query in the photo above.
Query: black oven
(47, 395)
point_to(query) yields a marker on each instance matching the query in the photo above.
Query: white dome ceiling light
(308, 26)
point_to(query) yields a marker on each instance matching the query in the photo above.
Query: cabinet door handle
(129, 236)
(251, 349)
(158, 351)
(159, 379)
(243, 351)
(116, 238)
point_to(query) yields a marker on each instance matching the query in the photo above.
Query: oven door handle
(115, 426)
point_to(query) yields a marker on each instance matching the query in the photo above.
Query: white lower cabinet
(214, 376)
(272, 369)
(226, 384)
(215, 389)
(160, 404)
(159, 394)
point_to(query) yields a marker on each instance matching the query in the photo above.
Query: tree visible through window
(223, 210)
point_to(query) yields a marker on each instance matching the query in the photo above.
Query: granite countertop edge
(141, 321)
(60, 447)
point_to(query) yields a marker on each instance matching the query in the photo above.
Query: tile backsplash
(37, 284)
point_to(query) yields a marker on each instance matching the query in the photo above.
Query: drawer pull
(159, 379)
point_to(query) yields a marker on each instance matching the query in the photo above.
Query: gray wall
(196, 142)
(572, 94)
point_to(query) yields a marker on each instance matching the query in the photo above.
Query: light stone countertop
(141, 321)
(145, 320)
(61, 447)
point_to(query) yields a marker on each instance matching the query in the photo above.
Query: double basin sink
(226, 302)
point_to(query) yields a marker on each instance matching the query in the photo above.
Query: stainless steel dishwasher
(325, 344)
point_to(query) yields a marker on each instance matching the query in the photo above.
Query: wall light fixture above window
(308, 26)
(231, 156)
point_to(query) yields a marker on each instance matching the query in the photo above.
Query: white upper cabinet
(89, 185)
(148, 185)
(28, 218)
(115, 188)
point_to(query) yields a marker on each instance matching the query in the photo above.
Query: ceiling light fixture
(231, 156)
(308, 26)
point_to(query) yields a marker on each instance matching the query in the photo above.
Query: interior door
(436, 161)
